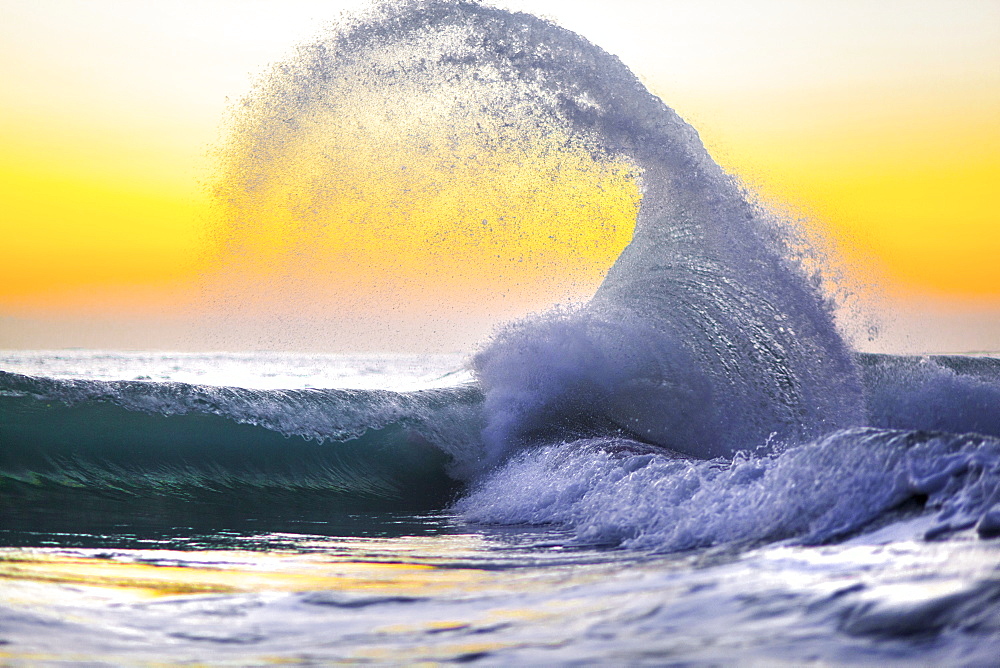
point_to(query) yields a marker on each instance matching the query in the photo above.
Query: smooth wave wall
(131, 440)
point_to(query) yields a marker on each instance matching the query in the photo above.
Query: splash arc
(707, 335)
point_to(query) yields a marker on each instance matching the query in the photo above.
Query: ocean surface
(692, 468)
(145, 519)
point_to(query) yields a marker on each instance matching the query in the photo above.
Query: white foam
(813, 493)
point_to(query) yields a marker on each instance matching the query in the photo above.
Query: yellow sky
(877, 122)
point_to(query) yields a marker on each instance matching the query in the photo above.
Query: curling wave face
(130, 444)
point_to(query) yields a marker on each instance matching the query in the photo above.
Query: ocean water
(154, 520)
(693, 468)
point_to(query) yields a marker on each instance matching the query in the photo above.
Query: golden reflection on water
(79, 585)
(156, 573)
(413, 565)
(477, 596)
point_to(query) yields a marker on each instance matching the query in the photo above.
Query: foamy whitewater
(692, 468)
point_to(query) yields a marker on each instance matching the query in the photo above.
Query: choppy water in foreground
(502, 597)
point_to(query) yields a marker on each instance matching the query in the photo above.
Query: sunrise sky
(877, 123)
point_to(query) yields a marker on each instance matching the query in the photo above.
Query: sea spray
(727, 342)
(404, 173)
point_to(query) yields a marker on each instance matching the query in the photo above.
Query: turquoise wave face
(93, 449)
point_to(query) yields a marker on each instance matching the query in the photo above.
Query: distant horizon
(913, 333)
